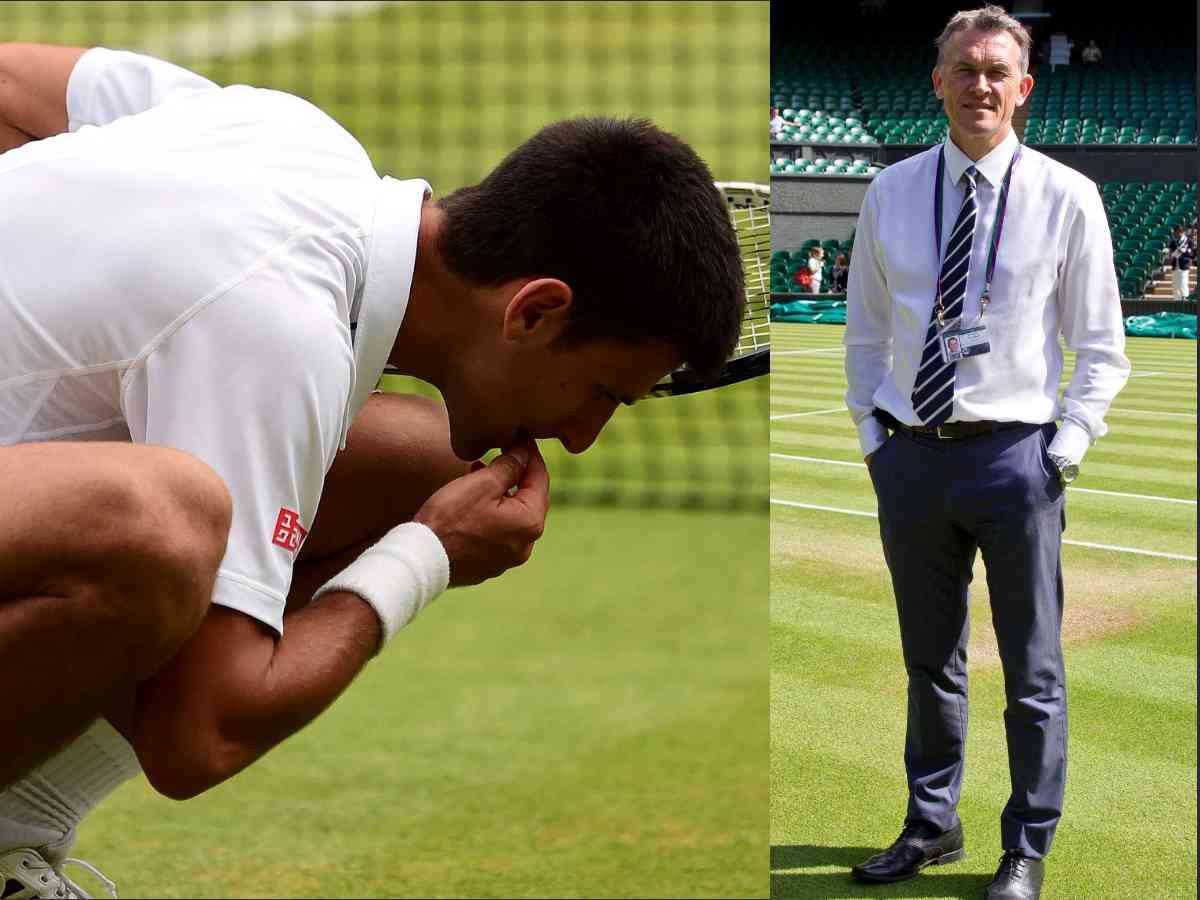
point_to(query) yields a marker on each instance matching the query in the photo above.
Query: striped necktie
(933, 394)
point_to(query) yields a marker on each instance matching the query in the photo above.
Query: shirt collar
(391, 257)
(992, 167)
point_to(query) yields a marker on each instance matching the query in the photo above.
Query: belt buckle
(943, 437)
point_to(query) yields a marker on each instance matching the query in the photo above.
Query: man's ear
(1024, 90)
(539, 309)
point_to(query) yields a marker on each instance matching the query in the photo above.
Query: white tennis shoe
(25, 875)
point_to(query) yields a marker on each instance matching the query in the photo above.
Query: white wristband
(398, 576)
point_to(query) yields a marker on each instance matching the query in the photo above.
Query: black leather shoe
(1018, 878)
(919, 845)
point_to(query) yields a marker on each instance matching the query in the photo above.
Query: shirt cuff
(1071, 442)
(871, 435)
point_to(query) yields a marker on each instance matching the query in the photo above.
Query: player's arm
(236, 689)
(33, 91)
(47, 89)
(868, 336)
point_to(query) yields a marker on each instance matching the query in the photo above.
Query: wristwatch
(1067, 470)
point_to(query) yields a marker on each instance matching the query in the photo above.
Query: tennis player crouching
(199, 289)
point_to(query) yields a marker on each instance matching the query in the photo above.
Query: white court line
(1115, 549)
(249, 28)
(1133, 550)
(817, 459)
(857, 465)
(801, 352)
(1149, 374)
(1134, 496)
(836, 509)
(815, 412)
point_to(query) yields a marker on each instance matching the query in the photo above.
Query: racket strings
(750, 213)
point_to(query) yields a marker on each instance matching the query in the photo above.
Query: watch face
(1070, 473)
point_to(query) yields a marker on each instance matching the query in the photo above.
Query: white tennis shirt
(181, 269)
(1054, 274)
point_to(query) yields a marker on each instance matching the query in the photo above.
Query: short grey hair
(986, 18)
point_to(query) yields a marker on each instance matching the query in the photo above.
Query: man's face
(981, 85)
(566, 392)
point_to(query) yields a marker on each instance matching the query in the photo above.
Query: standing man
(777, 123)
(199, 290)
(1181, 261)
(972, 258)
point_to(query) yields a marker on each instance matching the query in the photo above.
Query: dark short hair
(986, 18)
(627, 216)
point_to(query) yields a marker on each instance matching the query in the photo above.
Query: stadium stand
(878, 92)
(785, 263)
(861, 98)
(1142, 218)
(1125, 106)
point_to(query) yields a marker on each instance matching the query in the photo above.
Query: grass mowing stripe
(775, 352)
(838, 462)
(1124, 477)
(1118, 412)
(1114, 670)
(1087, 544)
(1159, 528)
(1072, 490)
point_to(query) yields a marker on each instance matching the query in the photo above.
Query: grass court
(593, 724)
(1129, 634)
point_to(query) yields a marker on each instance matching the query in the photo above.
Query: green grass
(837, 680)
(592, 724)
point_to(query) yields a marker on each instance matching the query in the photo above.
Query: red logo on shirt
(289, 533)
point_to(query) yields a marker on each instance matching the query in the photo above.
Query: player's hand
(484, 529)
(867, 459)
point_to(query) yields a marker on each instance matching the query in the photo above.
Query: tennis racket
(750, 211)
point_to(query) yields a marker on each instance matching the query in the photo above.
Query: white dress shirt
(1054, 274)
(182, 269)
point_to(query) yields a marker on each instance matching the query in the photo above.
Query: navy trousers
(939, 502)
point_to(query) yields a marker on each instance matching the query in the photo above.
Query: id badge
(959, 343)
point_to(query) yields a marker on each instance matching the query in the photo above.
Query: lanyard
(997, 229)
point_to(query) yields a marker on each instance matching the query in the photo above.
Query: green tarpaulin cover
(831, 312)
(1163, 324)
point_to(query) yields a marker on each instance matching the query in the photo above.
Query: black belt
(947, 430)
